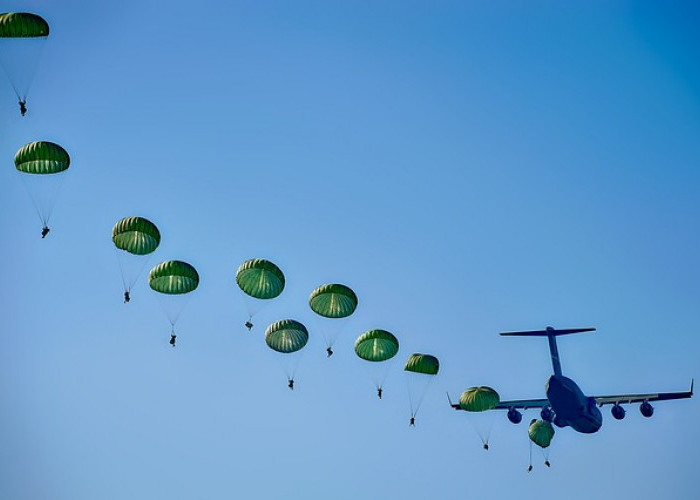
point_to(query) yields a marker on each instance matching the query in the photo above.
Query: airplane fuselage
(571, 407)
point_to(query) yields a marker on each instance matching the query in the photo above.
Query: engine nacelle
(514, 416)
(646, 409)
(547, 414)
(618, 412)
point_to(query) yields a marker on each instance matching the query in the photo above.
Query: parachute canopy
(173, 277)
(286, 336)
(479, 399)
(333, 301)
(376, 345)
(422, 363)
(22, 25)
(260, 278)
(42, 157)
(541, 432)
(136, 235)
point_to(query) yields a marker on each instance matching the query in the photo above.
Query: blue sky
(466, 167)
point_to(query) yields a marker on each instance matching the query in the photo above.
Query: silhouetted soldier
(379, 392)
(248, 325)
(172, 339)
(44, 231)
(23, 106)
(291, 384)
(413, 422)
(127, 297)
(329, 352)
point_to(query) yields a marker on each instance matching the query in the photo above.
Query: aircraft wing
(516, 403)
(639, 398)
(522, 404)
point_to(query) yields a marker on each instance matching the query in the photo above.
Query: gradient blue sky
(467, 167)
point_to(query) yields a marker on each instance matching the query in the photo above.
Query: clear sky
(467, 167)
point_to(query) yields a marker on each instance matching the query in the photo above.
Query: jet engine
(547, 414)
(646, 409)
(618, 412)
(514, 416)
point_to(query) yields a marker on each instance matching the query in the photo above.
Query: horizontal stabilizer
(549, 331)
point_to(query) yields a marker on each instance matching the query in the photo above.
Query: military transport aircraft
(566, 405)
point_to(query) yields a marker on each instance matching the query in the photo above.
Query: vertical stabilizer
(551, 335)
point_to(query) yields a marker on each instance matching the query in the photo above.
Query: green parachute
(540, 432)
(288, 337)
(22, 25)
(174, 280)
(420, 372)
(136, 235)
(477, 399)
(261, 280)
(135, 238)
(422, 363)
(42, 166)
(22, 38)
(332, 302)
(173, 277)
(377, 346)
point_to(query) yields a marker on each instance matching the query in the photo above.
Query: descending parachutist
(44, 231)
(291, 384)
(23, 106)
(486, 446)
(329, 352)
(529, 469)
(412, 423)
(127, 297)
(172, 339)
(546, 462)
(248, 325)
(379, 392)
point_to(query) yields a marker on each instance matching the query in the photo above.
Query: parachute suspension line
(420, 396)
(483, 430)
(33, 73)
(121, 269)
(25, 181)
(43, 193)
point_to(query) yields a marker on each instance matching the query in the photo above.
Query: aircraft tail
(548, 332)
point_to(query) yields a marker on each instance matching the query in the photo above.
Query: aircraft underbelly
(571, 406)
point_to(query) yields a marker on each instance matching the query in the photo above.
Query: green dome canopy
(541, 432)
(136, 235)
(479, 399)
(173, 277)
(376, 345)
(42, 157)
(22, 25)
(286, 336)
(422, 363)
(333, 301)
(260, 278)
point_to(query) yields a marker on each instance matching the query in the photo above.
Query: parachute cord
(121, 269)
(43, 220)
